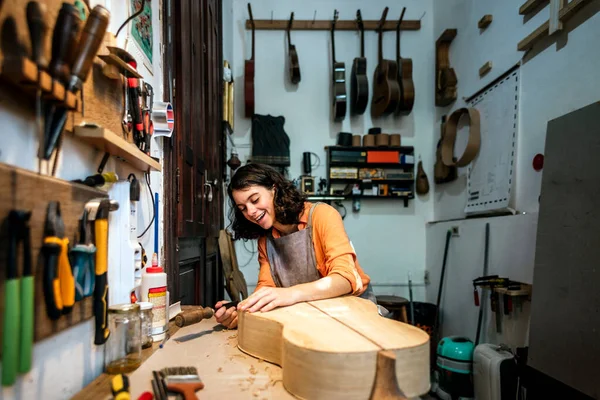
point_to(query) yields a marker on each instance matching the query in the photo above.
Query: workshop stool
(396, 305)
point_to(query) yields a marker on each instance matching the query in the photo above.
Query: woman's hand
(226, 317)
(268, 298)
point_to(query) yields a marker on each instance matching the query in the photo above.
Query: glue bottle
(154, 290)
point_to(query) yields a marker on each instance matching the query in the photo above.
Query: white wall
(555, 79)
(66, 362)
(389, 239)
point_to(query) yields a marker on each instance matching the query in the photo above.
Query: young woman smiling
(303, 249)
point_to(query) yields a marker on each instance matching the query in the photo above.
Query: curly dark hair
(288, 201)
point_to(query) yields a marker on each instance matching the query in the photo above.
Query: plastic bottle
(154, 290)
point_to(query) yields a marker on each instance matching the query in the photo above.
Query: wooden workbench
(226, 372)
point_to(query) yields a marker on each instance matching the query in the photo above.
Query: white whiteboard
(490, 175)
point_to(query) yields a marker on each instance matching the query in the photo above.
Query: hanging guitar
(249, 75)
(386, 90)
(338, 79)
(293, 55)
(405, 67)
(359, 83)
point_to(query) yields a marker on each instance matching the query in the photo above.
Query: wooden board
(329, 348)
(564, 15)
(235, 283)
(29, 191)
(103, 98)
(565, 308)
(531, 5)
(110, 142)
(325, 25)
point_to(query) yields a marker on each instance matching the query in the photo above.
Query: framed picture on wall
(141, 33)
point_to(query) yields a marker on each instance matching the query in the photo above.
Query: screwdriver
(64, 43)
(89, 43)
(37, 32)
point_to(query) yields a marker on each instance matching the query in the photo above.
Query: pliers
(59, 284)
(17, 340)
(82, 260)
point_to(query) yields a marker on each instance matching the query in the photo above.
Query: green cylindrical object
(10, 335)
(27, 316)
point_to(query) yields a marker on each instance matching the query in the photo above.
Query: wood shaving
(275, 381)
(260, 360)
(253, 370)
(256, 394)
(232, 337)
(220, 369)
(251, 379)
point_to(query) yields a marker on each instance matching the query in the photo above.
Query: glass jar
(146, 317)
(123, 349)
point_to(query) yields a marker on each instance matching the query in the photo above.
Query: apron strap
(310, 212)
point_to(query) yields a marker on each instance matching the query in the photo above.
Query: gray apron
(293, 261)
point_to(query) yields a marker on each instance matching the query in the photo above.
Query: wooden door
(194, 155)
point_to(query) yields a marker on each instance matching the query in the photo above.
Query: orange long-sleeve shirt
(333, 251)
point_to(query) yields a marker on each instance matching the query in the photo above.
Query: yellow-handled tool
(98, 210)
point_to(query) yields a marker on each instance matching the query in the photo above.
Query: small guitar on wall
(359, 83)
(405, 66)
(338, 79)
(249, 75)
(386, 90)
(293, 55)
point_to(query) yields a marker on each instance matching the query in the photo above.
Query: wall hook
(271, 16)
(314, 17)
(291, 21)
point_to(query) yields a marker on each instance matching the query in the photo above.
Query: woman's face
(256, 203)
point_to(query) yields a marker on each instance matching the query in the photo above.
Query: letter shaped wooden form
(339, 349)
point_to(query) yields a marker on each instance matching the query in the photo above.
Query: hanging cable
(137, 13)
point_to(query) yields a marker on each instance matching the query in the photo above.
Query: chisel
(89, 43)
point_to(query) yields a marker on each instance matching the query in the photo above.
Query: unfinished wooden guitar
(339, 349)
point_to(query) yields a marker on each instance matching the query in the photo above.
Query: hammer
(98, 210)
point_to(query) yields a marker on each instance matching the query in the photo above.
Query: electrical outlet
(455, 231)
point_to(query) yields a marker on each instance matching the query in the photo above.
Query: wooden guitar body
(339, 349)
(294, 65)
(339, 91)
(359, 86)
(249, 88)
(407, 86)
(407, 93)
(386, 90)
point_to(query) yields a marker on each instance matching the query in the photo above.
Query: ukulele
(339, 348)
(359, 84)
(338, 79)
(386, 90)
(249, 75)
(405, 66)
(293, 55)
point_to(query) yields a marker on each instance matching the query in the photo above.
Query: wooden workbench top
(226, 372)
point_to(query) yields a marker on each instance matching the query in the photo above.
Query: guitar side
(339, 91)
(407, 97)
(359, 86)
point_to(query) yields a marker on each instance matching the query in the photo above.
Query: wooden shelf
(402, 149)
(24, 73)
(524, 291)
(111, 143)
(370, 165)
(563, 16)
(370, 180)
(531, 5)
(125, 68)
(325, 25)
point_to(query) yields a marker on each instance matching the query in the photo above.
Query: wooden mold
(445, 77)
(339, 349)
(485, 68)
(485, 21)
(28, 191)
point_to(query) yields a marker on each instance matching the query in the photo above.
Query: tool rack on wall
(21, 81)
(404, 186)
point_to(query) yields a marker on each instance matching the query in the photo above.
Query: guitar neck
(398, 34)
(333, 43)
(362, 43)
(380, 46)
(252, 58)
